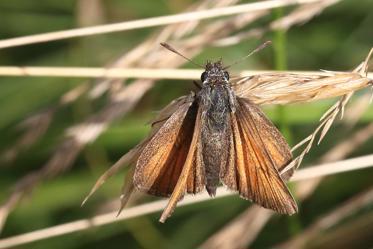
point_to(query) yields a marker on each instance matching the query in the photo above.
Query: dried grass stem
(121, 73)
(151, 22)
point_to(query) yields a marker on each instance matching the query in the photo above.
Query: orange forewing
(255, 173)
(161, 161)
(276, 145)
(189, 166)
(159, 165)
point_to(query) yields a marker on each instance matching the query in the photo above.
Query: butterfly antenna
(262, 46)
(167, 46)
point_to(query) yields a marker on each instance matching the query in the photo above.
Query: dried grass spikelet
(269, 89)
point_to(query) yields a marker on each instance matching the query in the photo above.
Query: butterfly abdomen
(215, 133)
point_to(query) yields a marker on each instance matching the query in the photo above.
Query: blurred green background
(337, 39)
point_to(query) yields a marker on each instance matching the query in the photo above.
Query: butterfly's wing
(161, 161)
(274, 141)
(191, 176)
(259, 151)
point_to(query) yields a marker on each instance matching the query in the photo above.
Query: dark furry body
(215, 133)
(217, 101)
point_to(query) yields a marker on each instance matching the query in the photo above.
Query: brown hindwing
(192, 166)
(259, 152)
(160, 164)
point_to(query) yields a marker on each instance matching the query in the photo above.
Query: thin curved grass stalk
(152, 22)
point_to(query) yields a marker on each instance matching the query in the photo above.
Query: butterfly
(214, 136)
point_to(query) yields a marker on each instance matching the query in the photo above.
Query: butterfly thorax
(217, 101)
(214, 74)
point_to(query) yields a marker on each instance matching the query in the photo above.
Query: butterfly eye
(226, 75)
(203, 76)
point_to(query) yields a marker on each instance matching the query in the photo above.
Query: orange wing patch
(160, 163)
(255, 174)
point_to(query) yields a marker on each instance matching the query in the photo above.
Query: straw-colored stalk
(152, 22)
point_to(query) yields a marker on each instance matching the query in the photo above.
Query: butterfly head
(214, 74)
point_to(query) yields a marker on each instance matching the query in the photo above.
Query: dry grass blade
(99, 220)
(108, 73)
(341, 166)
(128, 158)
(330, 219)
(263, 87)
(151, 22)
(127, 189)
(138, 73)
